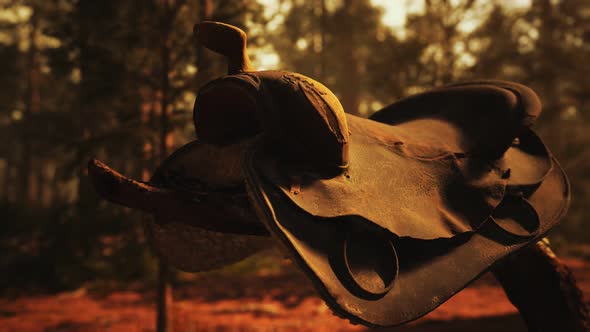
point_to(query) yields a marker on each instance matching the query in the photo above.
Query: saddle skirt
(422, 174)
(411, 189)
(437, 188)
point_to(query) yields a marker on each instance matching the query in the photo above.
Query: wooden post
(164, 299)
(164, 294)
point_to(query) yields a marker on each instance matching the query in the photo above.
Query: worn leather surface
(453, 180)
(435, 157)
(411, 189)
(194, 169)
(430, 271)
(482, 117)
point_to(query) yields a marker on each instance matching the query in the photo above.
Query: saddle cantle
(388, 216)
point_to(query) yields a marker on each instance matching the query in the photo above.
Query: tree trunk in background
(322, 74)
(203, 58)
(206, 9)
(32, 100)
(548, 75)
(150, 161)
(83, 10)
(7, 188)
(56, 196)
(164, 305)
(543, 290)
(40, 183)
(164, 296)
(349, 62)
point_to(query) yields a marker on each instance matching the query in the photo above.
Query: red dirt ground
(262, 302)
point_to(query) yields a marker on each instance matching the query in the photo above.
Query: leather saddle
(388, 216)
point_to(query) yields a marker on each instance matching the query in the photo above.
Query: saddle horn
(301, 117)
(226, 40)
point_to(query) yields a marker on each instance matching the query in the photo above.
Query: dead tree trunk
(543, 290)
(347, 43)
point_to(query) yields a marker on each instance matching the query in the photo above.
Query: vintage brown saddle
(388, 216)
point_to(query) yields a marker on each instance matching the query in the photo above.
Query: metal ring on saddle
(371, 263)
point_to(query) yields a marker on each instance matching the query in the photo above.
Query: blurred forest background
(117, 79)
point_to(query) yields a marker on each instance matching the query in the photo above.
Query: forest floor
(265, 300)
